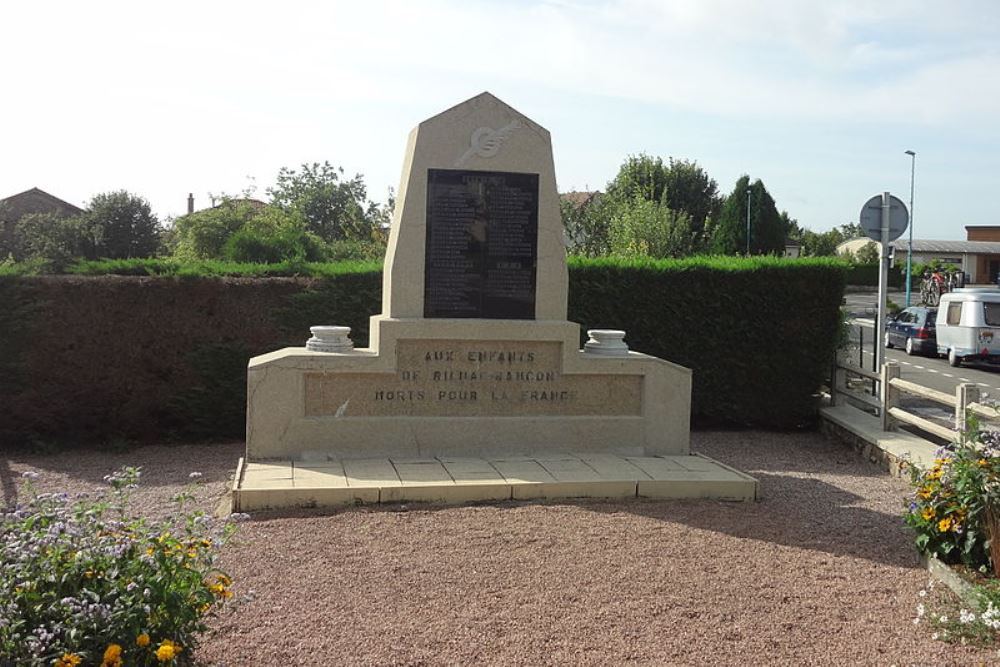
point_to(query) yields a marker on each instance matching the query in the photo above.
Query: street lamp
(909, 246)
(748, 218)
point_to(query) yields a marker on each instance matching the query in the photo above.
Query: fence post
(965, 394)
(890, 395)
(837, 380)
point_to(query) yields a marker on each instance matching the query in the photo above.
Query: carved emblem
(486, 141)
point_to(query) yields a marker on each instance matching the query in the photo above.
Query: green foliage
(767, 228)
(919, 269)
(49, 242)
(974, 621)
(757, 333)
(85, 582)
(214, 403)
(19, 311)
(868, 254)
(121, 225)
(274, 235)
(824, 244)
(951, 500)
(349, 299)
(203, 234)
(679, 185)
(676, 200)
(867, 274)
(642, 227)
(334, 209)
(588, 226)
(218, 268)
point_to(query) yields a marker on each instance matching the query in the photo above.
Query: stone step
(286, 484)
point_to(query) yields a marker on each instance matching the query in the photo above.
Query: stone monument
(472, 357)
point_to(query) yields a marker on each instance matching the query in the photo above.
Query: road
(930, 372)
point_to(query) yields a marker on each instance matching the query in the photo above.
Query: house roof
(34, 201)
(959, 247)
(581, 198)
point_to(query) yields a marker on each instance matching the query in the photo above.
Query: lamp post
(909, 245)
(748, 218)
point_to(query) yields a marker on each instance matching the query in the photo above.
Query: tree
(274, 235)
(680, 185)
(651, 229)
(122, 225)
(203, 234)
(333, 208)
(587, 225)
(767, 230)
(51, 240)
(868, 253)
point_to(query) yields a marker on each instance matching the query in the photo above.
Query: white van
(968, 324)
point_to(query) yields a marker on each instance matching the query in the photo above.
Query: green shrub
(84, 582)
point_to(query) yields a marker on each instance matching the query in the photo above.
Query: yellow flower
(68, 660)
(112, 656)
(142, 640)
(935, 474)
(983, 463)
(224, 580)
(927, 513)
(925, 492)
(944, 524)
(168, 651)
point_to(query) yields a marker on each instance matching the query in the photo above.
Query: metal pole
(909, 245)
(883, 280)
(748, 217)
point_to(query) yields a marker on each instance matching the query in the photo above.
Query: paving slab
(469, 479)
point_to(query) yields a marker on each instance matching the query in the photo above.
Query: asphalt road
(928, 371)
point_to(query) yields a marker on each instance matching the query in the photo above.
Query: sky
(819, 100)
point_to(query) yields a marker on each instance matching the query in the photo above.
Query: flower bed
(953, 512)
(84, 583)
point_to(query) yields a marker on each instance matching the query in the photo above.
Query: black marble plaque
(482, 244)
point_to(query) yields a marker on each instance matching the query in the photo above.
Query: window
(992, 314)
(954, 312)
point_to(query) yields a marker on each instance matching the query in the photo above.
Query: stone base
(455, 388)
(289, 484)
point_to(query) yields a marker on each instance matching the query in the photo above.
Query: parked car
(913, 329)
(969, 325)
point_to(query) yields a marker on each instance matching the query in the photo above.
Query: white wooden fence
(965, 400)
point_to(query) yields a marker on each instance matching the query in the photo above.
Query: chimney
(190, 202)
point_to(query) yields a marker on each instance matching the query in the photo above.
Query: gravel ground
(820, 571)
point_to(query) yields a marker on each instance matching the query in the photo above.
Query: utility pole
(909, 245)
(748, 216)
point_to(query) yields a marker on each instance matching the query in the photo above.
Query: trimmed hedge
(758, 333)
(115, 357)
(867, 274)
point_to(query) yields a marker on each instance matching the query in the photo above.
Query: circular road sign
(871, 218)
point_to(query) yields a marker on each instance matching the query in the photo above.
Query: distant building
(255, 204)
(580, 199)
(17, 206)
(979, 259)
(793, 248)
